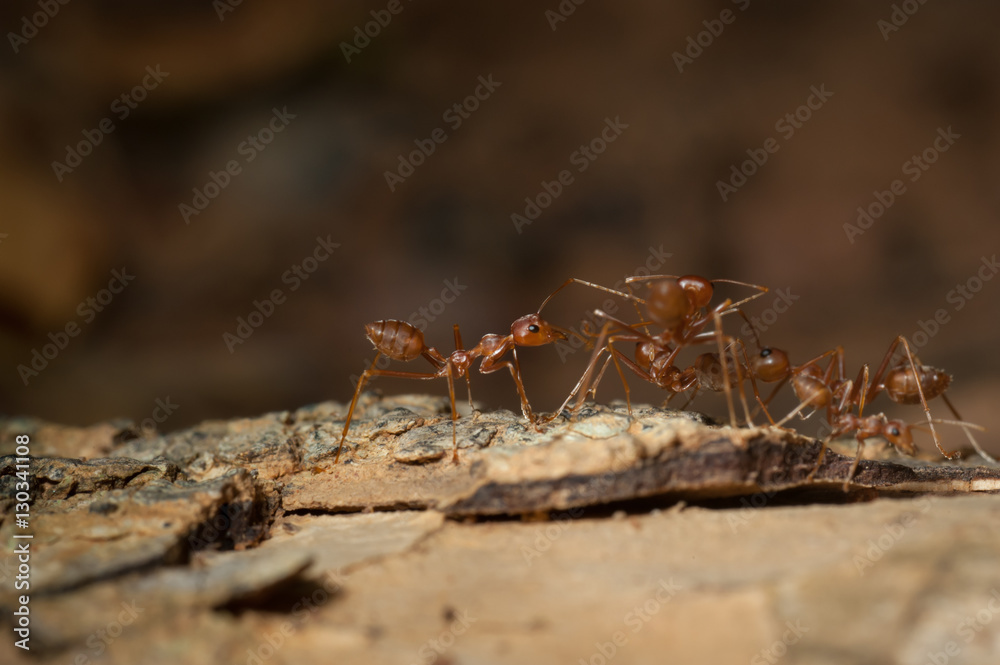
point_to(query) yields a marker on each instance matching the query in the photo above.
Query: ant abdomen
(901, 385)
(397, 339)
(811, 390)
(710, 374)
(668, 304)
(699, 290)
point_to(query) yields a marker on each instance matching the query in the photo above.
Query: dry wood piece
(229, 530)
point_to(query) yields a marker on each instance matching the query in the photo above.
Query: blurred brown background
(226, 67)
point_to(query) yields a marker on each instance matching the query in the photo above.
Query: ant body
(403, 341)
(679, 305)
(907, 382)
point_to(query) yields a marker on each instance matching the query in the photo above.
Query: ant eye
(894, 431)
(533, 328)
(764, 353)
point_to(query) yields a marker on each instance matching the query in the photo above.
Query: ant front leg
(491, 363)
(468, 380)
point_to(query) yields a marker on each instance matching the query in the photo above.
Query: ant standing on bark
(679, 305)
(403, 341)
(907, 382)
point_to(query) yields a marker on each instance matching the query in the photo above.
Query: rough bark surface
(656, 538)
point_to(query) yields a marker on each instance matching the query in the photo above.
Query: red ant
(895, 431)
(909, 381)
(679, 306)
(403, 341)
(829, 388)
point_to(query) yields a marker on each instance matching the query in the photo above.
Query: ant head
(899, 435)
(770, 364)
(533, 330)
(668, 303)
(699, 290)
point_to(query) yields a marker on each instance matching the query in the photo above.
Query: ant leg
(854, 465)
(975, 444)
(599, 348)
(372, 371)
(350, 412)
(739, 378)
(635, 303)
(761, 289)
(819, 460)
(489, 365)
(725, 370)
(600, 375)
(694, 393)
(583, 385)
(876, 385)
(468, 380)
(574, 280)
(923, 400)
(454, 412)
(756, 392)
(793, 413)
(628, 394)
(863, 378)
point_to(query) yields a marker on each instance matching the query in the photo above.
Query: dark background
(323, 175)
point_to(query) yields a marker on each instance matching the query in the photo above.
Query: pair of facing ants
(676, 313)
